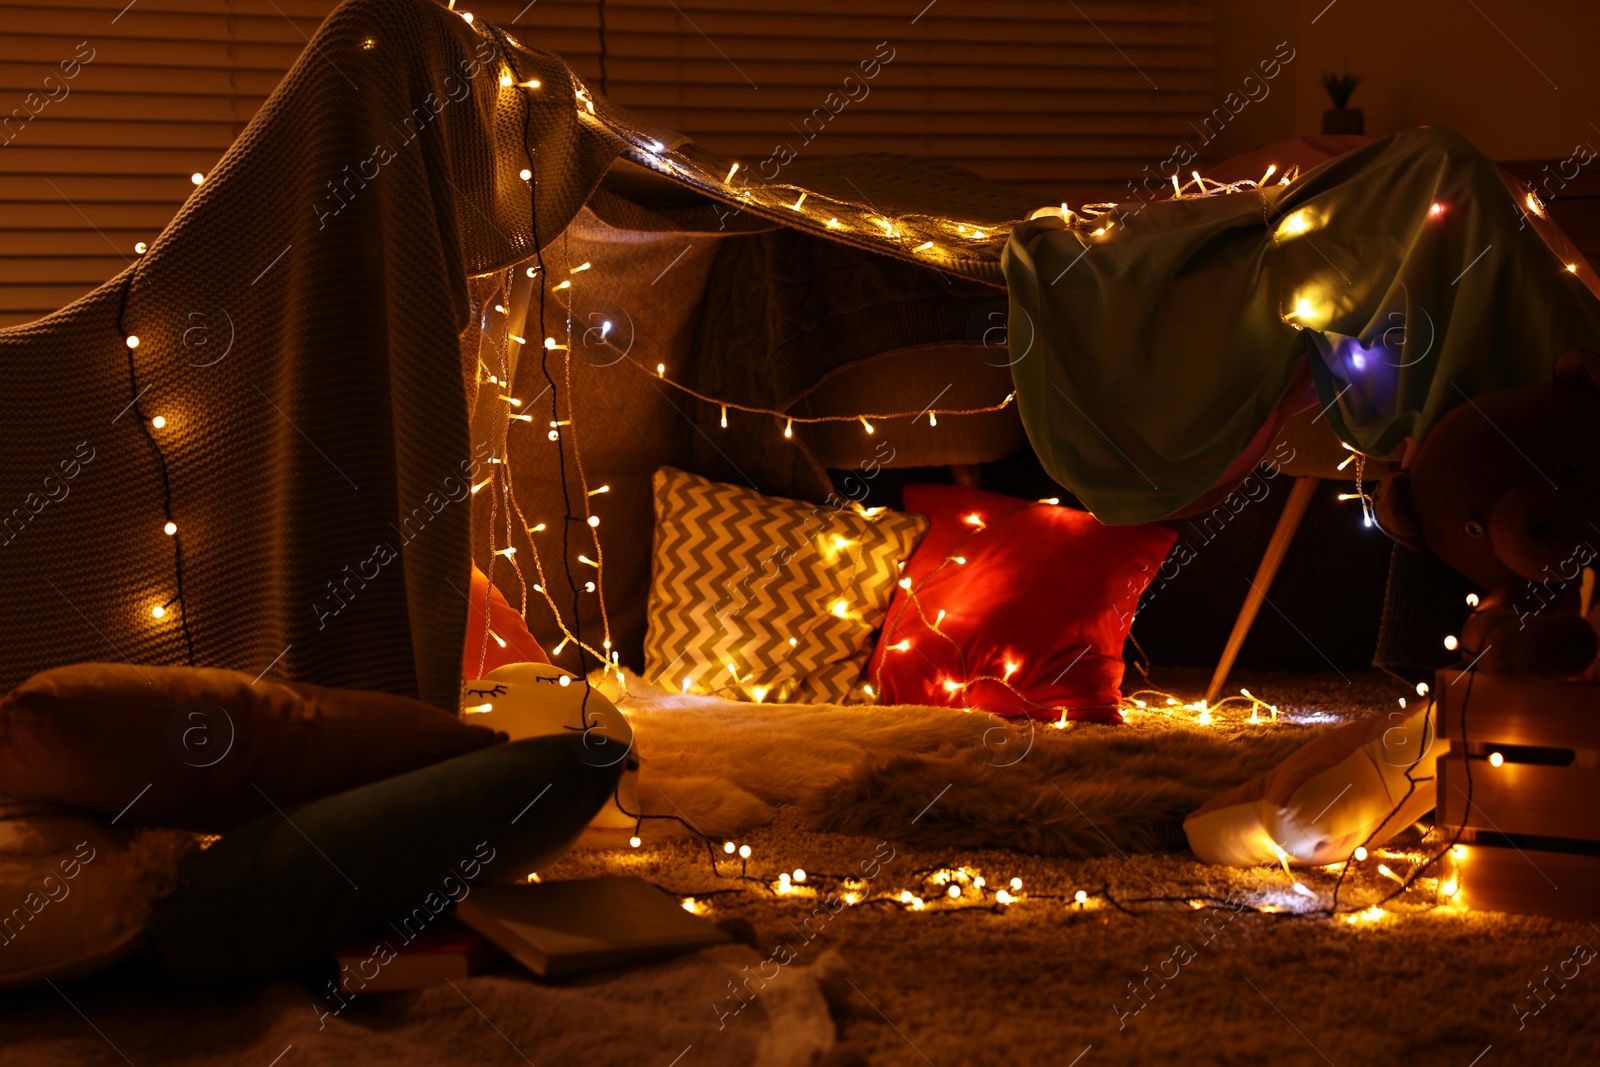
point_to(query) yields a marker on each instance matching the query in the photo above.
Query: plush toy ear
(1580, 368)
(1391, 506)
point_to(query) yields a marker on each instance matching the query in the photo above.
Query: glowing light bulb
(466, 15)
(1572, 268)
(141, 248)
(478, 709)
(1003, 897)
(1450, 642)
(729, 847)
(731, 172)
(1080, 896)
(799, 874)
(954, 892)
(724, 416)
(686, 681)
(1297, 223)
(1449, 886)
(170, 528)
(1422, 689)
(1496, 759)
(744, 852)
(902, 646)
(940, 618)
(833, 224)
(634, 841)
(788, 428)
(533, 83)
(1050, 500)
(593, 520)
(158, 612)
(506, 80)
(1472, 600)
(525, 174)
(498, 639)
(951, 686)
(973, 520)
(1436, 209)
(159, 422)
(960, 559)
(661, 369)
(759, 692)
(1534, 205)
(867, 426)
(1011, 668)
(840, 609)
(923, 247)
(197, 177)
(1016, 885)
(1360, 853)
(132, 340)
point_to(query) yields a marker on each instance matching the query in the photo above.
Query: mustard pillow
(761, 598)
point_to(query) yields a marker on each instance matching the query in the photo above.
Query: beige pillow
(77, 890)
(763, 598)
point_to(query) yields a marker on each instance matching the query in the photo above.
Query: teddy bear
(1506, 490)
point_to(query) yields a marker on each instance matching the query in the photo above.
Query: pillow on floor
(1014, 607)
(508, 639)
(78, 889)
(202, 749)
(1343, 788)
(764, 598)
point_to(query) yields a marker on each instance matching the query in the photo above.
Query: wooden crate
(1531, 833)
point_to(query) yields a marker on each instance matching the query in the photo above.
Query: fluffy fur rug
(937, 777)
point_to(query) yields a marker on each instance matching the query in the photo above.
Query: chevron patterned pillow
(761, 598)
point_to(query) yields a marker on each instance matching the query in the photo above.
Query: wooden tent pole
(1288, 522)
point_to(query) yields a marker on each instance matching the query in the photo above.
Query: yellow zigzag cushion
(762, 598)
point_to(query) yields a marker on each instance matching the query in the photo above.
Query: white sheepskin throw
(934, 777)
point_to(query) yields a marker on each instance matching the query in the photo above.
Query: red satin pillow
(504, 623)
(1034, 619)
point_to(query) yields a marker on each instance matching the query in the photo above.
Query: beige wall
(1422, 62)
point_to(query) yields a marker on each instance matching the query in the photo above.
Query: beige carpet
(970, 982)
(1043, 981)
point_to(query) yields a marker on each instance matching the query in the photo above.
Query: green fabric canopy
(1147, 358)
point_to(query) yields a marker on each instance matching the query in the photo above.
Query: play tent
(436, 260)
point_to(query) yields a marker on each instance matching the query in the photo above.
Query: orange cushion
(505, 623)
(201, 749)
